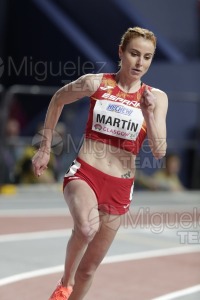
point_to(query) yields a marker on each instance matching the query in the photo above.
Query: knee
(86, 231)
(85, 273)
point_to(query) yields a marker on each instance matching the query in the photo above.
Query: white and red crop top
(115, 117)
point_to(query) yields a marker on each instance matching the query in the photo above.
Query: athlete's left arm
(154, 105)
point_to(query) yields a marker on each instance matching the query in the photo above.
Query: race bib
(117, 119)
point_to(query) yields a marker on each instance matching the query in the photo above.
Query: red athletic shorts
(113, 194)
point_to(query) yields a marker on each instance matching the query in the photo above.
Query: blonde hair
(135, 32)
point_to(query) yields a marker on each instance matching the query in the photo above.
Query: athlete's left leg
(94, 254)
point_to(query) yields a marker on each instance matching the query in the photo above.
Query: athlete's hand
(147, 103)
(40, 161)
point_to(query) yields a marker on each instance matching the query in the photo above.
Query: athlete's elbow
(159, 155)
(159, 150)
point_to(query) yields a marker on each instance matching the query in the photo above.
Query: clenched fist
(40, 161)
(147, 102)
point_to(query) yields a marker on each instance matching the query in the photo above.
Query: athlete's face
(137, 57)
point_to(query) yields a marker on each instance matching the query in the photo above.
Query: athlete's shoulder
(91, 82)
(162, 98)
(92, 76)
(158, 92)
(94, 81)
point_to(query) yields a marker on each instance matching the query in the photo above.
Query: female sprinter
(98, 186)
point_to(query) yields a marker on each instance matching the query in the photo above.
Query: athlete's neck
(127, 84)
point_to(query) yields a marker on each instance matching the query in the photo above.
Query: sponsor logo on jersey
(98, 127)
(115, 132)
(119, 109)
(104, 88)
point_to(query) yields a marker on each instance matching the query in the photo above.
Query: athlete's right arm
(84, 86)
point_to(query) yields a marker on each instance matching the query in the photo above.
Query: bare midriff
(108, 159)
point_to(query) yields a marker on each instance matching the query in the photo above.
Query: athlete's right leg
(83, 207)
